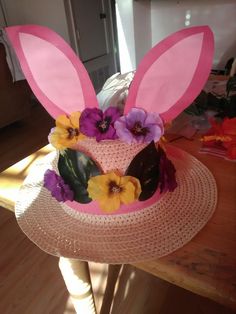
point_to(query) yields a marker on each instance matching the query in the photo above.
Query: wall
(142, 28)
(220, 15)
(125, 29)
(134, 32)
(142, 23)
(2, 21)
(49, 13)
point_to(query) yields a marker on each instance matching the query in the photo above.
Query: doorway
(93, 26)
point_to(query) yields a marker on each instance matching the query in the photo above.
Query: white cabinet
(94, 32)
(48, 13)
(86, 25)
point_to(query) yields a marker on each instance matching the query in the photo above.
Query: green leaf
(145, 167)
(76, 169)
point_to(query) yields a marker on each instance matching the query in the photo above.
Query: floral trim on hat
(111, 190)
(98, 124)
(82, 180)
(137, 126)
(67, 131)
(58, 188)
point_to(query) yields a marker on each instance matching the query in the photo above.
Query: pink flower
(167, 173)
(138, 126)
(98, 124)
(58, 188)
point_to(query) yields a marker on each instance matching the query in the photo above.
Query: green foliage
(76, 169)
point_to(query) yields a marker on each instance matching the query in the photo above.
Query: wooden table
(207, 264)
(75, 273)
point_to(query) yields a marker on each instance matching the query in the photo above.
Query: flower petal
(128, 195)
(109, 135)
(63, 122)
(135, 115)
(124, 182)
(122, 132)
(99, 190)
(112, 176)
(50, 179)
(58, 188)
(167, 173)
(137, 185)
(74, 119)
(153, 118)
(92, 117)
(229, 126)
(154, 133)
(138, 139)
(58, 137)
(139, 127)
(88, 121)
(113, 113)
(110, 204)
(94, 114)
(88, 128)
(97, 186)
(231, 152)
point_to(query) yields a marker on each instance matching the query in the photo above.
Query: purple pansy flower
(58, 188)
(167, 173)
(138, 126)
(98, 124)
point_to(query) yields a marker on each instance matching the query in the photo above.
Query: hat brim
(151, 232)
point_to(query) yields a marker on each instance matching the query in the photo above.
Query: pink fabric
(55, 74)
(111, 155)
(52, 82)
(169, 78)
(94, 208)
(172, 74)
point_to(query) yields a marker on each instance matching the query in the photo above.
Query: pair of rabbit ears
(168, 79)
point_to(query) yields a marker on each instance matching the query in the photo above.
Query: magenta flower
(58, 188)
(98, 124)
(167, 173)
(138, 126)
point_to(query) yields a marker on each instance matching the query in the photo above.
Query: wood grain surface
(207, 264)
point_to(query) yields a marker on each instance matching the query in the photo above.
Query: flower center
(138, 130)
(103, 125)
(72, 133)
(114, 188)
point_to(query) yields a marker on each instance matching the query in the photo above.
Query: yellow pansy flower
(112, 190)
(66, 133)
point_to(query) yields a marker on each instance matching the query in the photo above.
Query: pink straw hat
(112, 191)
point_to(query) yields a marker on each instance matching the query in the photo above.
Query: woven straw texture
(110, 154)
(148, 233)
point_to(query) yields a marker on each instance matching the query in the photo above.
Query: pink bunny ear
(173, 73)
(54, 72)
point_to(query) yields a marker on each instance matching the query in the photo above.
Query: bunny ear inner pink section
(55, 74)
(173, 73)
